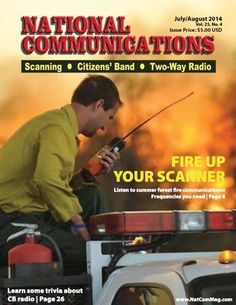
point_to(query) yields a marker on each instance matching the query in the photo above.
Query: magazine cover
(128, 118)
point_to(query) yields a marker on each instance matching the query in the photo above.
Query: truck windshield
(143, 295)
(211, 290)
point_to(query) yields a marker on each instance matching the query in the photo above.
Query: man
(37, 165)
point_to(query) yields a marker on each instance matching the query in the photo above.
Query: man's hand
(79, 227)
(108, 161)
(139, 241)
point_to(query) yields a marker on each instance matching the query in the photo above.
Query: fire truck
(127, 263)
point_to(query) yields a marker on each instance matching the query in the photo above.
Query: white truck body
(162, 269)
(161, 278)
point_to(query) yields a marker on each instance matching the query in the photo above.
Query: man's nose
(103, 128)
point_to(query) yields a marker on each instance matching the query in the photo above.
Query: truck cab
(171, 282)
(147, 276)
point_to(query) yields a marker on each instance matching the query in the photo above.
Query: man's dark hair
(97, 87)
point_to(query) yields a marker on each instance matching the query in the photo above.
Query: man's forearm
(79, 227)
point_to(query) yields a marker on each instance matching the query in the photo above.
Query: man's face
(99, 118)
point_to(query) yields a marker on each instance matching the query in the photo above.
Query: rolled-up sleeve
(53, 171)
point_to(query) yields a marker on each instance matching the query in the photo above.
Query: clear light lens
(191, 221)
(101, 228)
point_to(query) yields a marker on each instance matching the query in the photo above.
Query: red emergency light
(221, 220)
(132, 222)
(121, 223)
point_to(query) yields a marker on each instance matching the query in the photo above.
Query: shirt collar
(73, 120)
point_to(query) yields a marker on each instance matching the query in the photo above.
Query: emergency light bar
(119, 223)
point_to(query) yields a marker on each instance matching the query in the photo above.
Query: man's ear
(99, 104)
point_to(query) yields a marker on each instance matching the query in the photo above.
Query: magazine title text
(102, 35)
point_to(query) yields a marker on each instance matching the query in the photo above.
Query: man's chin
(89, 134)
